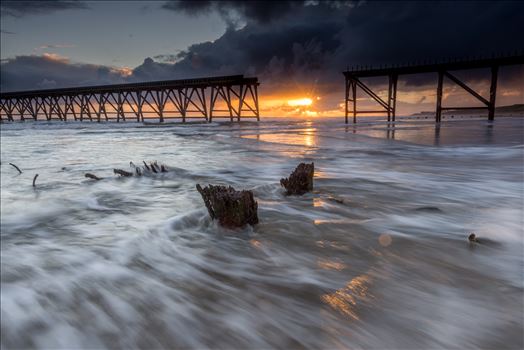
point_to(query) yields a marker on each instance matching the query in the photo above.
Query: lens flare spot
(384, 240)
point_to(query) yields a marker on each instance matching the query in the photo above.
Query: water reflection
(345, 300)
(326, 264)
(391, 133)
(307, 137)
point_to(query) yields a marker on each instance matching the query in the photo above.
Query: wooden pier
(443, 70)
(233, 97)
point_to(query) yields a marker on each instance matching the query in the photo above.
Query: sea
(376, 257)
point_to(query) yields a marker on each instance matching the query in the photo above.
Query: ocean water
(377, 257)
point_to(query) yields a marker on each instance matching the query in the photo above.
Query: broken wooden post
(17, 168)
(232, 208)
(473, 238)
(122, 172)
(300, 181)
(92, 176)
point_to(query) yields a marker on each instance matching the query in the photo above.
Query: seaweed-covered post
(300, 181)
(232, 208)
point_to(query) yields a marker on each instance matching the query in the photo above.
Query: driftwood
(300, 181)
(232, 208)
(17, 168)
(122, 172)
(138, 171)
(92, 176)
(34, 180)
(154, 167)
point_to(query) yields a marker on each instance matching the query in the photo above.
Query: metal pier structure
(234, 97)
(443, 70)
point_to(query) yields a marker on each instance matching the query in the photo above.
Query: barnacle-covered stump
(300, 181)
(230, 207)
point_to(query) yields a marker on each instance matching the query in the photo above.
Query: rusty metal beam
(465, 87)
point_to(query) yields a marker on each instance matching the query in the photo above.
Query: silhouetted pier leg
(439, 96)
(160, 106)
(493, 92)
(347, 101)
(204, 103)
(390, 93)
(229, 105)
(140, 103)
(240, 101)
(255, 97)
(354, 87)
(392, 97)
(394, 102)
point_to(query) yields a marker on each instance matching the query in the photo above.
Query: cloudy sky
(297, 49)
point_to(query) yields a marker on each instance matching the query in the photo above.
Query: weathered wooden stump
(122, 172)
(232, 208)
(92, 176)
(300, 181)
(473, 238)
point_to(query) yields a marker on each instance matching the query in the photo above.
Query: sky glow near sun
(300, 102)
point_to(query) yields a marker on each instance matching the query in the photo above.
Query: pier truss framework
(233, 97)
(354, 82)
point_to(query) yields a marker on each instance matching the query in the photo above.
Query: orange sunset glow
(300, 102)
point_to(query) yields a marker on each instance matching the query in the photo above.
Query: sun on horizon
(300, 102)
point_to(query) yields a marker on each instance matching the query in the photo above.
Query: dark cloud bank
(20, 8)
(290, 44)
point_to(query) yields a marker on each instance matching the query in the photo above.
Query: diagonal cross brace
(467, 88)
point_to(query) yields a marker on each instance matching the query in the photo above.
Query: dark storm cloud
(308, 41)
(169, 58)
(259, 11)
(400, 32)
(296, 50)
(23, 8)
(50, 71)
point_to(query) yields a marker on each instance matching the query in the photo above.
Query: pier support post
(347, 100)
(354, 89)
(255, 97)
(394, 102)
(493, 93)
(392, 96)
(438, 113)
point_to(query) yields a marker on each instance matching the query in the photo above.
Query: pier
(353, 79)
(233, 97)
